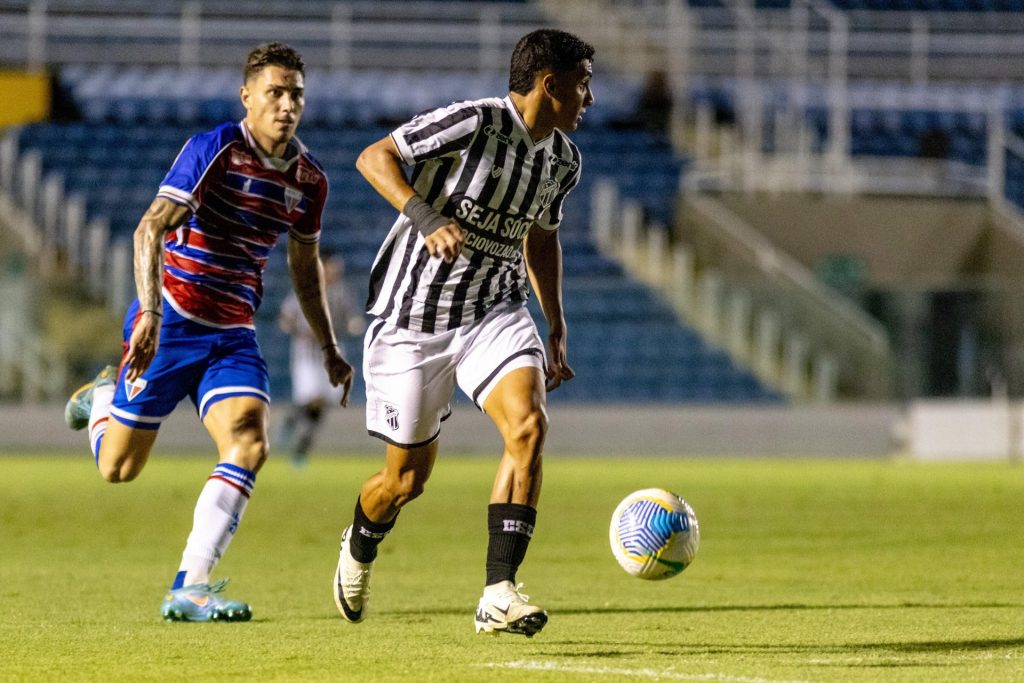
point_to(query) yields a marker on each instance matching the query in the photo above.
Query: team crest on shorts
(133, 389)
(391, 415)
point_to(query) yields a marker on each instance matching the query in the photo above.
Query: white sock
(102, 397)
(218, 512)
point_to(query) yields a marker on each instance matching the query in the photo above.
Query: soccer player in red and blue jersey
(200, 251)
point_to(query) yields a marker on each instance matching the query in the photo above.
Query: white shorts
(411, 376)
(309, 377)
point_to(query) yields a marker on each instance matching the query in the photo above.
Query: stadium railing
(743, 294)
(32, 369)
(336, 35)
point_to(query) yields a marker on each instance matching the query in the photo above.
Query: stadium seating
(932, 5)
(157, 95)
(887, 119)
(625, 343)
(892, 5)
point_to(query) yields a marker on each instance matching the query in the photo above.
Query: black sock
(367, 535)
(509, 528)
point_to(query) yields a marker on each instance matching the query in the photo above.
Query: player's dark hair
(543, 49)
(276, 54)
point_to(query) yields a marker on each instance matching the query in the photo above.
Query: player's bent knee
(527, 434)
(250, 453)
(119, 470)
(124, 452)
(248, 446)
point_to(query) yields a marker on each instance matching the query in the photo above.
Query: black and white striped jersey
(476, 162)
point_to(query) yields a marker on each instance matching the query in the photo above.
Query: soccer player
(312, 392)
(200, 251)
(448, 288)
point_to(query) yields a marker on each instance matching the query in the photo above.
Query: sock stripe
(230, 483)
(239, 477)
(96, 431)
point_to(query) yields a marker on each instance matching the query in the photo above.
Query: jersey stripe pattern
(474, 162)
(241, 202)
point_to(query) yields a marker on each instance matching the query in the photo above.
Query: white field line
(653, 674)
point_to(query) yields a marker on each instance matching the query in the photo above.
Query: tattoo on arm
(160, 218)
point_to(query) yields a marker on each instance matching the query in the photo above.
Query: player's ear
(548, 84)
(243, 94)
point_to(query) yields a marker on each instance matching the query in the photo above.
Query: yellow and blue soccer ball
(654, 534)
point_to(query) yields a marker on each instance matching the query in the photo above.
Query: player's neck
(535, 114)
(267, 144)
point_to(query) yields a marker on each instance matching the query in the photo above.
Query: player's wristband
(156, 313)
(423, 216)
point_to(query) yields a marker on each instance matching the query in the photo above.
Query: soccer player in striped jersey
(200, 251)
(479, 217)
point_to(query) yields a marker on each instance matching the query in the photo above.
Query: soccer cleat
(76, 412)
(504, 608)
(202, 602)
(351, 582)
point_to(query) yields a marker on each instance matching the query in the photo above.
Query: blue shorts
(205, 363)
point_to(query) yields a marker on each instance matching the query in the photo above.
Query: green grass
(808, 570)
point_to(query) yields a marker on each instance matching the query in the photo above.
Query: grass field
(808, 571)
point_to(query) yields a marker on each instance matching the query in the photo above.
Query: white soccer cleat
(504, 608)
(351, 582)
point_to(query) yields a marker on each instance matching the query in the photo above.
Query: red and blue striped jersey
(242, 200)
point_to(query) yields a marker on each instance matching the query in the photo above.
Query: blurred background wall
(791, 210)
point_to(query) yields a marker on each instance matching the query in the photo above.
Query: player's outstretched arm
(160, 218)
(381, 165)
(307, 275)
(544, 265)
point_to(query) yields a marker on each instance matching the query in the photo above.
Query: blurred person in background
(479, 216)
(200, 251)
(312, 391)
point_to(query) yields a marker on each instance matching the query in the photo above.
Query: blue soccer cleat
(76, 412)
(201, 602)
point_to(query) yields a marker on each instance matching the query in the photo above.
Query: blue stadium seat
(626, 344)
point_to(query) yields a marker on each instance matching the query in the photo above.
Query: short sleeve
(307, 228)
(551, 217)
(183, 183)
(437, 133)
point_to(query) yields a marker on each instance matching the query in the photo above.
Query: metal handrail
(413, 35)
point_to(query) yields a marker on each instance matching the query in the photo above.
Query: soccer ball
(654, 534)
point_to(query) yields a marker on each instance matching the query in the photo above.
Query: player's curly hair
(277, 54)
(545, 48)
